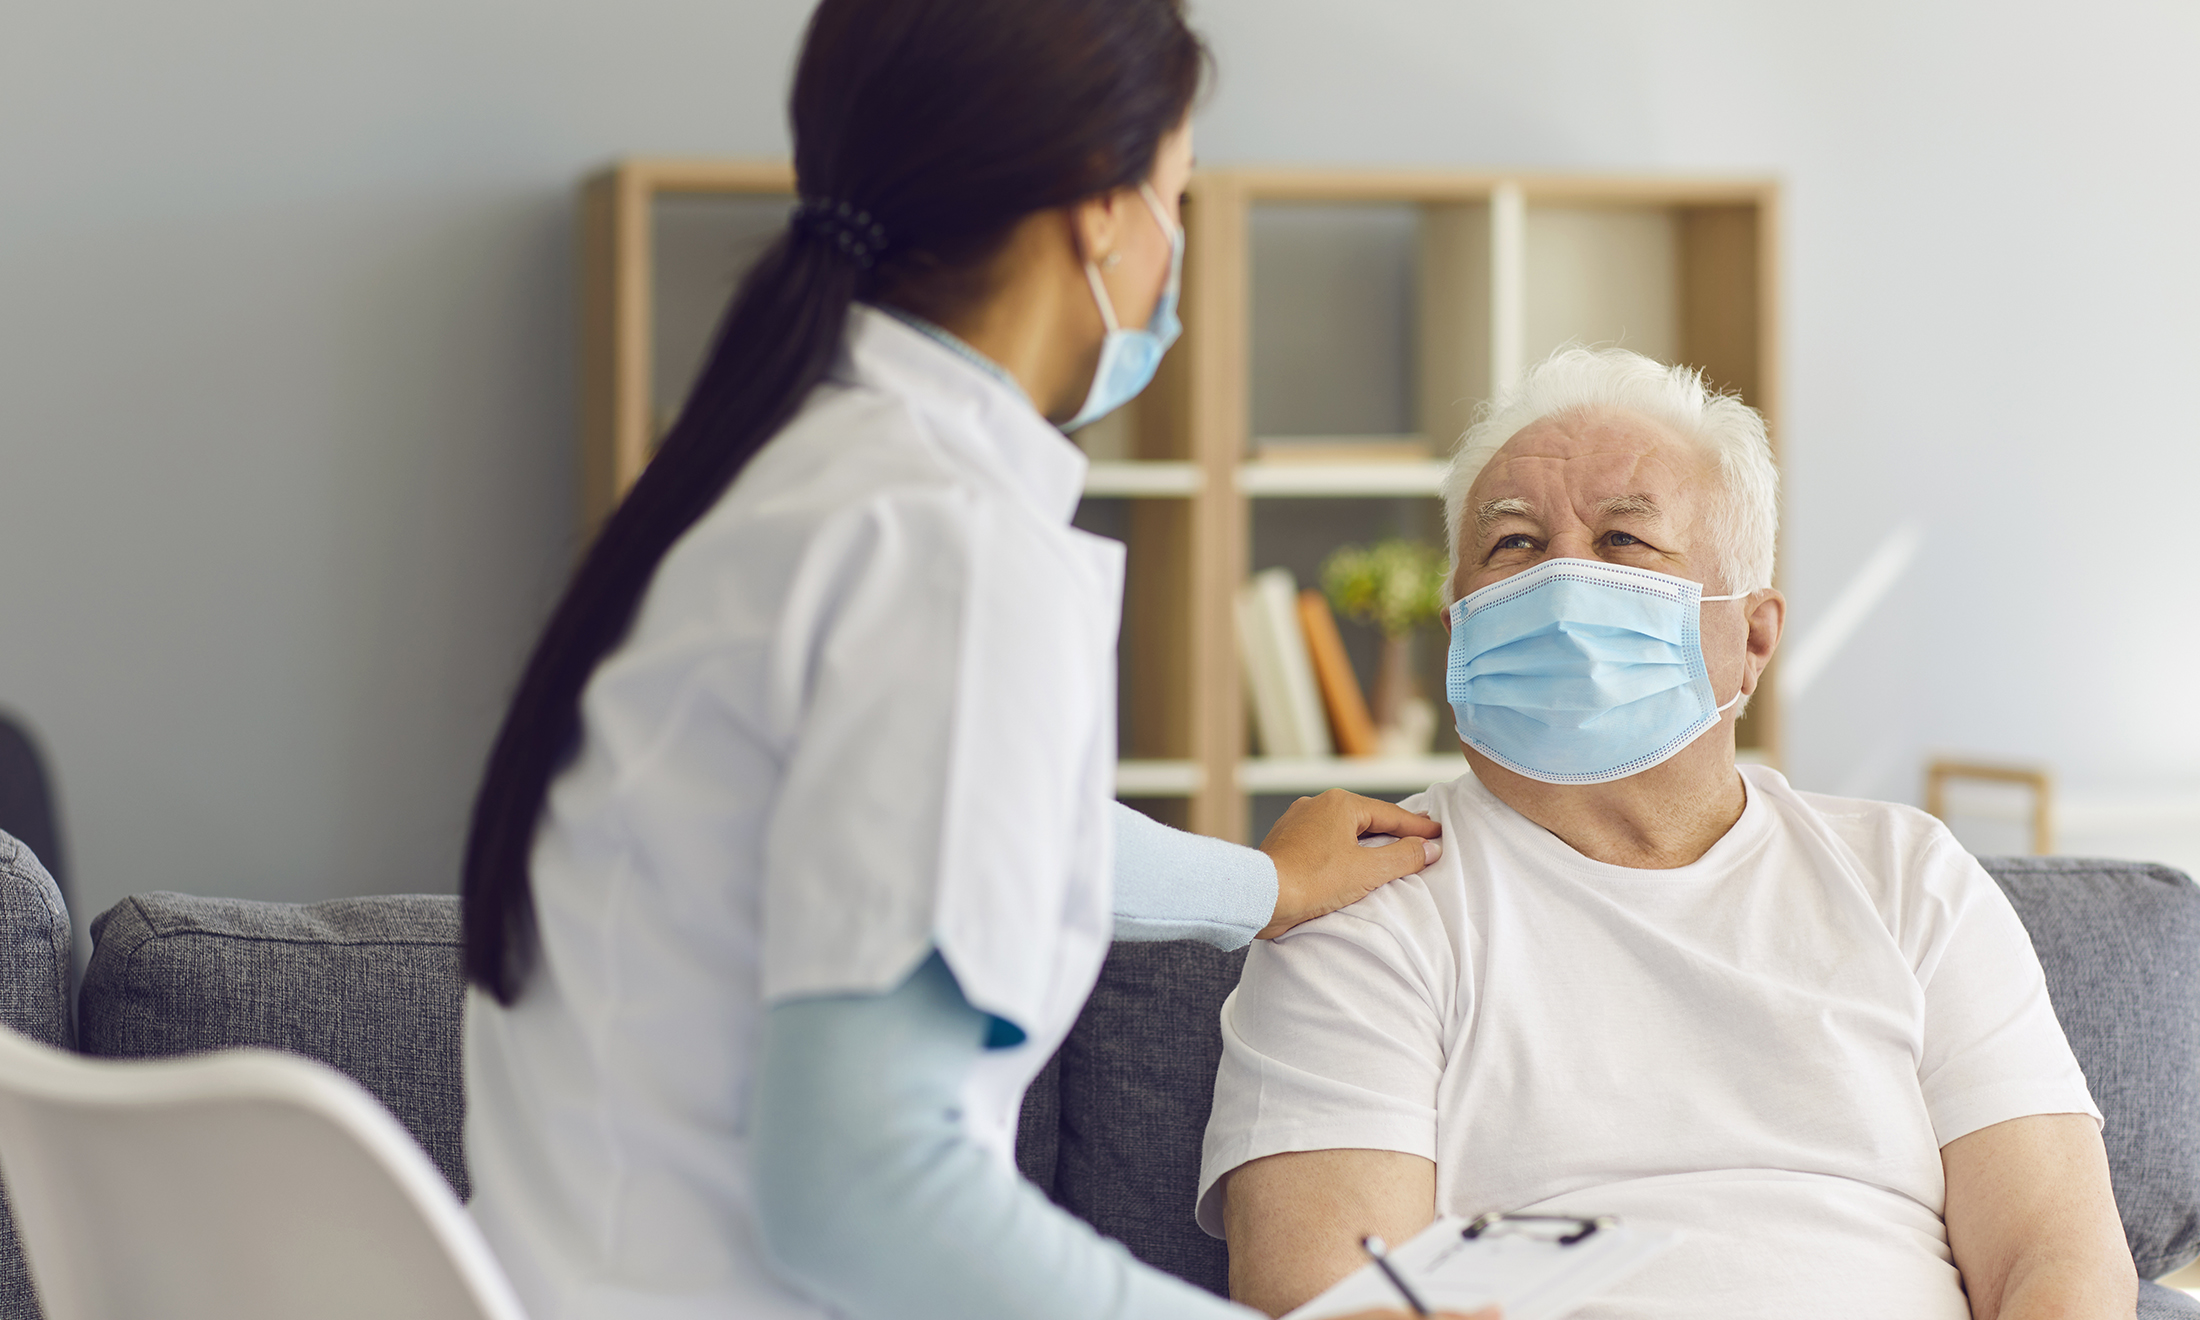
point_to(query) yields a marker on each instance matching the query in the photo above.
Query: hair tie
(849, 229)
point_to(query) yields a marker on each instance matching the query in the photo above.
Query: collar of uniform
(987, 412)
(945, 338)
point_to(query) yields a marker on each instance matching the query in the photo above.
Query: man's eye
(1517, 541)
(1621, 538)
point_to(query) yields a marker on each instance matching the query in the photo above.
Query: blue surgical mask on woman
(1129, 357)
(1581, 672)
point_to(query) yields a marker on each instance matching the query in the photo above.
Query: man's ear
(1767, 620)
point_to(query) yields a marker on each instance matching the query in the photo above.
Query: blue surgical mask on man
(1129, 357)
(1581, 672)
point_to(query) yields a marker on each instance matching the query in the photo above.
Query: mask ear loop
(1092, 272)
(1100, 296)
(1739, 595)
(1161, 217)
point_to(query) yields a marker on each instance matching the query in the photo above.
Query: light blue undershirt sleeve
(1170, 885)
(871, 1197)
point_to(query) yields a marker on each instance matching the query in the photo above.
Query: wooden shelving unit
(1503, 267)
(620, 400)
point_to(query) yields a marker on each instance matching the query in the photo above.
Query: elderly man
(1810, 1033)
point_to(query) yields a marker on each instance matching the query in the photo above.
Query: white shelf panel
(1286, 479)
(1135, 480)
(1158, 778)
(1386, 448)
(1371, 774)
(1340, 480)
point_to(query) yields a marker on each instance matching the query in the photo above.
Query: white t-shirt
(867, 709)
(1766, 1048)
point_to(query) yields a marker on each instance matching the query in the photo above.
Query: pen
(1380, 1254)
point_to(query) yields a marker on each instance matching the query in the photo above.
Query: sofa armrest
(370, 986)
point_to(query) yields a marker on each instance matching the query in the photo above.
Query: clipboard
(1537, 1267)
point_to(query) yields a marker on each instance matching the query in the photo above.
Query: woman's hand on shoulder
(1322, 863)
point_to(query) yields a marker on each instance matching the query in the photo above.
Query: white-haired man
(1808, 1032)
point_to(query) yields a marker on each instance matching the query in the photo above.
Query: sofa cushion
(2159, 1303)
(369, 986)
(2120, 944)
(34, 999)
(1039, 1130)
(1137, 1079)
(35, 942)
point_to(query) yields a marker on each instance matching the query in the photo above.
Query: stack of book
(1306, 700)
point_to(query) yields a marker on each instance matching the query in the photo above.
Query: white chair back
(244, 1185)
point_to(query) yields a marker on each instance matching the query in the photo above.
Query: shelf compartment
(1159, 779)
(1374, 774)
(1134, 480)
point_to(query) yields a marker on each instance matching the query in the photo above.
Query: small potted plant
(1396, 585)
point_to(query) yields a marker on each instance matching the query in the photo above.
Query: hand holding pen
(1380, 1254)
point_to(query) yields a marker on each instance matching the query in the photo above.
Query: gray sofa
(1111, 1130)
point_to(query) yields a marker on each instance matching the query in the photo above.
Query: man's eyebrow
(1492, 510)
(1630, 506)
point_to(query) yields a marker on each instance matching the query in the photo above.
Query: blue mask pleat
(1580, 672)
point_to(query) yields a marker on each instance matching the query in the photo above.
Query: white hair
(1745, 521)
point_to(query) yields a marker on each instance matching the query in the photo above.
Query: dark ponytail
(924, 130)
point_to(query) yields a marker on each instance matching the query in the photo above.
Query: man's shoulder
(1871, 817)
(1407, 917)
(1892, 841)
(1446, 797)
(1860, 819)
(1417, 912)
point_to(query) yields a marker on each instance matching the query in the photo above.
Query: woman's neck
(1038, 320)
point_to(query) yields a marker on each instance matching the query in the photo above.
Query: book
(1264, 687)
(1279, 673)
(1350, 725)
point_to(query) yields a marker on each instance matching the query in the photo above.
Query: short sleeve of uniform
(939, 669)
(1993, 1049)
(1332, 1040)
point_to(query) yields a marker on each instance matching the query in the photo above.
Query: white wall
(286, 397)
(286, 337)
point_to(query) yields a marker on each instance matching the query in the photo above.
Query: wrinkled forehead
(1588, 458)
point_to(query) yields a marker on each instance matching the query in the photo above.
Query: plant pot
(1404, 719)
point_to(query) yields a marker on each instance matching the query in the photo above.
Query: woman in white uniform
(796, 856)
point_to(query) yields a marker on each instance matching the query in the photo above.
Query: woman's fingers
(1396, 861)
(1320, 863)
(1380, 817)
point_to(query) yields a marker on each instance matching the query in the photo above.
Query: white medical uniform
(867, 709)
